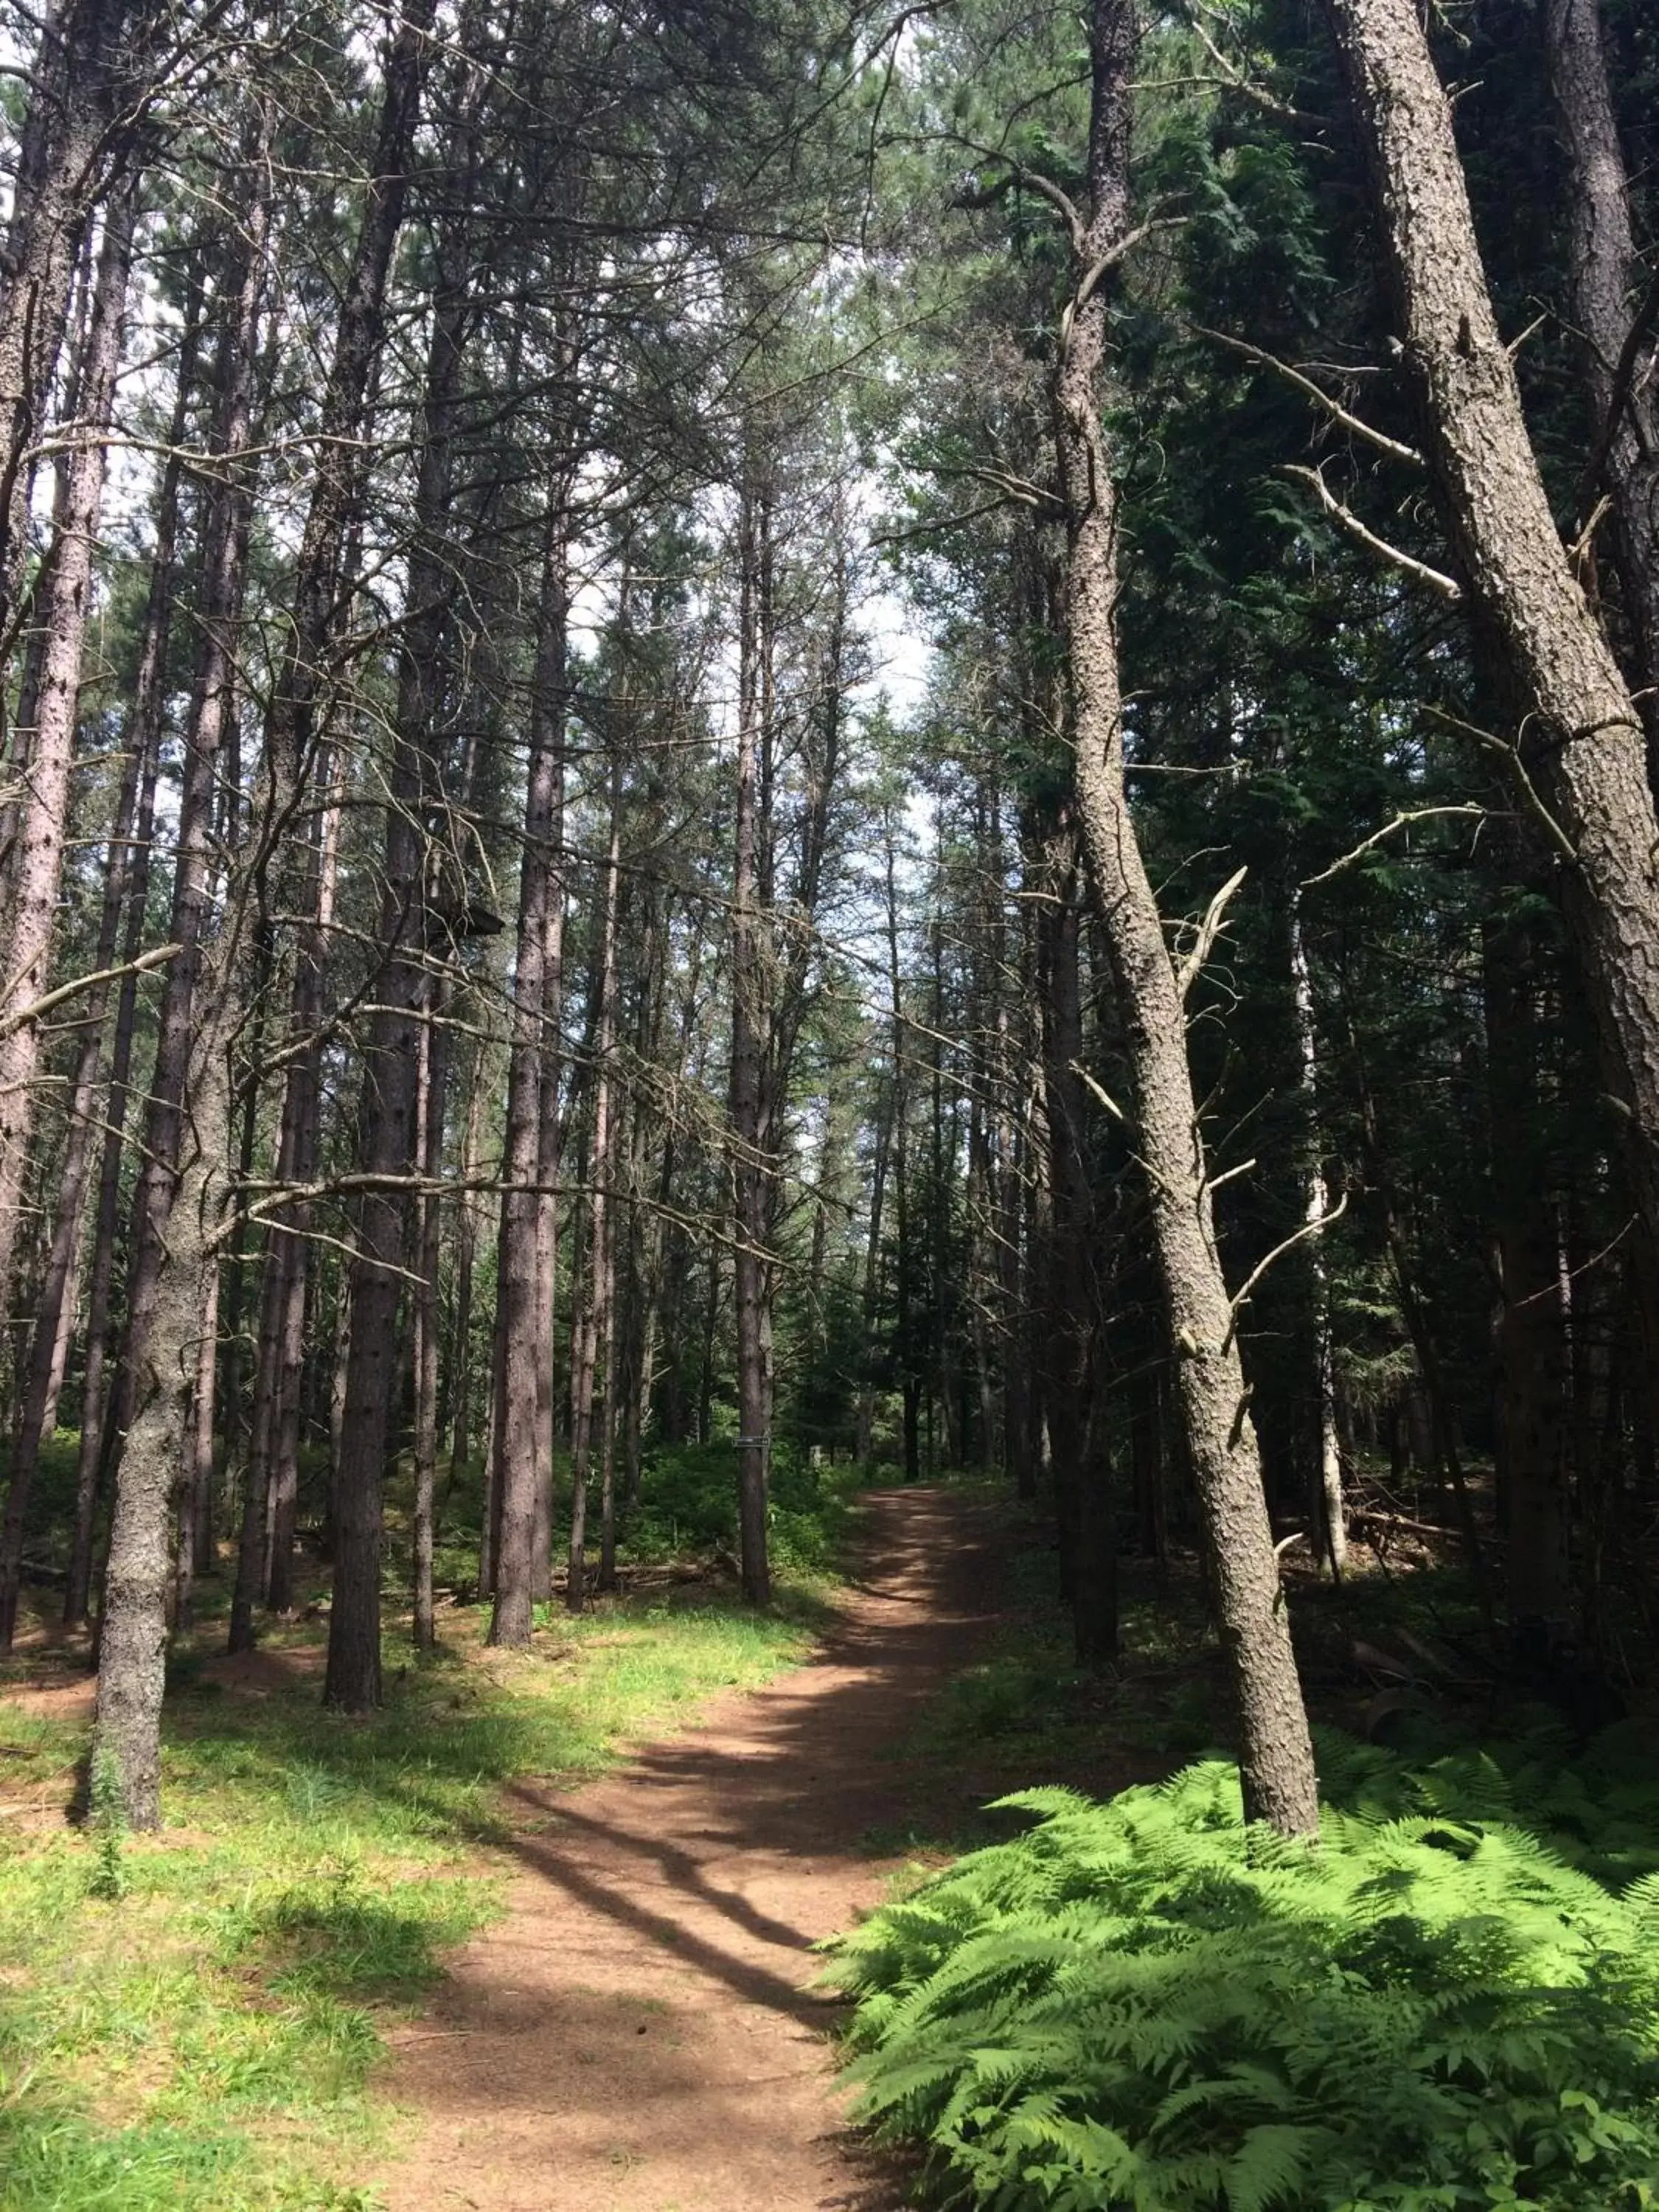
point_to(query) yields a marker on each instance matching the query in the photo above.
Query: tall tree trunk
(1534, 1349)
(1605, 275)
(294, 729)
(904, 1348)
(749, 1163)
(63, 612)
(642, 1235)
(265, 1553)
(195, 1483)
(220, 588)
(295, 738)
(126, 880)
(1007, 1195)
(1578, 760)
(132, 1634)
(132, 868)
(387, 1150)
(1070, 1300)
(590, 1393)
(466, 1248)
(431, 1094)
(523, 1442)
(1324, 1485)
(84, 126)
(865, 1415)
(1276, 1755)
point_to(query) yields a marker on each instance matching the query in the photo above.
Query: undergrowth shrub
(1145, 2005)
(1597, 1805)
(688, 1504)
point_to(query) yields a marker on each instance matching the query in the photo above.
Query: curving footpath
(640, 2033)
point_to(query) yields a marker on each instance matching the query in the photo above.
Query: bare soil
(640, 2033)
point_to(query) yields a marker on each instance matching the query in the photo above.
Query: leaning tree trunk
(1578, 760)
(1276, 1756)
(1618, 340)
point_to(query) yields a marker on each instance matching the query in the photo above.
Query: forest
(830, 913)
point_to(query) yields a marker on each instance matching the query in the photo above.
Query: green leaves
(1139, 2005)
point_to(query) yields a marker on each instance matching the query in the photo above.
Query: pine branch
(1448, 586)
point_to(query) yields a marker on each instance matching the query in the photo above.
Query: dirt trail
(638, 2034)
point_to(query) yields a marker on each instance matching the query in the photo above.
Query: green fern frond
(1141, 2005)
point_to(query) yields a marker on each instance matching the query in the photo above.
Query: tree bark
(1604, 276)
(1070, 1300)
(590, 1382)
(1276, 1757)
(62, 613)
(132, 1633)
(1533, 1335)
(1324, 1485)
(1577, 761)
(750, 1162)
(195, 1483)
(523, 1442)
(131, 868)
(82, 126)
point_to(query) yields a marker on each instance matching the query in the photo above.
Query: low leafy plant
(1147, 2005)
(1597, 1806)
(106, 1821)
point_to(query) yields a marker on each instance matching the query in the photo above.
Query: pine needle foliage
(1145, 2006)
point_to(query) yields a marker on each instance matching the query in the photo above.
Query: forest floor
(508, 1946)
(641, 2032)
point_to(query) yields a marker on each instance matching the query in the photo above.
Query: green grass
(191, 2021)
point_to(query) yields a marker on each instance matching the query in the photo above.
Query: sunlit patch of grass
(205, 2042)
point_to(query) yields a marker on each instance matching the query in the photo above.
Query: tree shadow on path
(645, 2017)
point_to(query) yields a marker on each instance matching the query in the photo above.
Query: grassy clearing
(192, 2021)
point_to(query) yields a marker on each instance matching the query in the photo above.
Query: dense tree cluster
(502, 983)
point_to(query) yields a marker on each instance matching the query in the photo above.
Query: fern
(1145, 2007)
